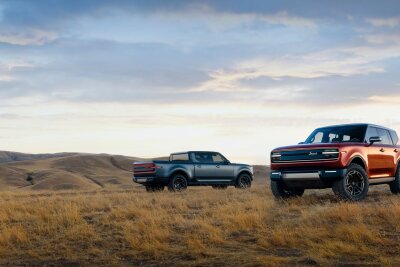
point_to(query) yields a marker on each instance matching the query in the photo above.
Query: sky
(146, 78)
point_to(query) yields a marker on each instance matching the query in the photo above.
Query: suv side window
(371, 132)
(395, 138)
(384, 134)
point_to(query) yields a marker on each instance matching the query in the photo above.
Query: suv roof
(359, 124)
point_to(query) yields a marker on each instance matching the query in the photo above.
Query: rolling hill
(71, 171)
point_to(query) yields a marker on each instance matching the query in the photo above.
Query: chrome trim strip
(212, 180)
(301, 176)
(306, 160)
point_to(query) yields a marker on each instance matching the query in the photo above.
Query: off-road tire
(155, 188)
(354, 185)
(281, 191)
(395, 185)
(177, 183)
(220, 187)
(243, 181)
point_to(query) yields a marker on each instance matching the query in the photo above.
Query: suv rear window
(180, 157)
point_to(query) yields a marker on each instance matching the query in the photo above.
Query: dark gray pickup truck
(192, 168)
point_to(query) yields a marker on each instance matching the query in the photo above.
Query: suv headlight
(275, 156)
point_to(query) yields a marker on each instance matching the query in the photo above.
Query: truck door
(212, 167)
(381, 156)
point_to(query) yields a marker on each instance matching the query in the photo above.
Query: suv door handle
(396, 150)
(198, 166)
(382, 150)
(217, 166)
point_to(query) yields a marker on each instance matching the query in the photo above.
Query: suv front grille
(304, 155)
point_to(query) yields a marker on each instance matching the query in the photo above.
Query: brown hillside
(78, 172)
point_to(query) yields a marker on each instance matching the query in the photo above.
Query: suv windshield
(337, 134)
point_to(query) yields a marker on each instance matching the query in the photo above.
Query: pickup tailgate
(144, 169)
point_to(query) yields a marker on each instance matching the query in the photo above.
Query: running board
(381, 180)
(213, 180)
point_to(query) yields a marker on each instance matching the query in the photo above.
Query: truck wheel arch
(246, 172)
(178, 172)
(358, 160)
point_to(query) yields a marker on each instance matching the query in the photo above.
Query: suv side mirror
(227, 162)
(375, 139)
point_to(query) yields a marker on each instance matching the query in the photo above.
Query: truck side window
(208, 157)
(384, 134)
(217, 158)
(180, 157)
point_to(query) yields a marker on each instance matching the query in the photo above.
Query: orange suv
(346, 158)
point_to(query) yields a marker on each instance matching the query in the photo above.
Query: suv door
(381, 156)
(212, 167)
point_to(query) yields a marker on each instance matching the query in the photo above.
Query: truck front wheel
(281, 191)
(243, 181)
(354, 185)
(177, 183)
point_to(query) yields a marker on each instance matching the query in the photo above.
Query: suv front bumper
(308, 178)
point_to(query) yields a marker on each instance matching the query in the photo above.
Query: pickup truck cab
(192, 168)
(346, 158)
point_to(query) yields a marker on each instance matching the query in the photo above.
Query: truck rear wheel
(281, 191)
(177, 183)
(243, 181)
(154, 188)
(354, 185)
(395, 185)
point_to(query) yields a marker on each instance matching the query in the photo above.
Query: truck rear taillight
(143, 168)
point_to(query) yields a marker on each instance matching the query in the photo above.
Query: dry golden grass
(200, 227)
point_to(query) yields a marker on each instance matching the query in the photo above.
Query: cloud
(222, 20)
(334, 62)
(385, 22)
(28, 37)
(384, 38)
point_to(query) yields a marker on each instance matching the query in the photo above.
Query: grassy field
(200, 227)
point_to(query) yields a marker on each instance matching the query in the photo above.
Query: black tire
(243, 181)
(354, 185)
(395, 185)
(281, 191)
(220, 187)
(177, 183)
(155, 188)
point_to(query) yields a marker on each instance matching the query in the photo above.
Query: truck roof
(358, 124)
(193, 151)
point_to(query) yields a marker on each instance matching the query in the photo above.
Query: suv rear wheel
(281, 191)
(354, 185)
(154, 188)
(395, 185)
(177, 183)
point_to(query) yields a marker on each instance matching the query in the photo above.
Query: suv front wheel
(395, 185)
(281, 191)
(354, 185)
